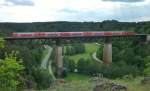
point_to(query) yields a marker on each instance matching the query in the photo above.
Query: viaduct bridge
(58, 41)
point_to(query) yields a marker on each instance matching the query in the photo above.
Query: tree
(69, 64)
(10, 72)
(99, 53)
(83, 66)
(1, 43)
(147, 69)
(42, 78)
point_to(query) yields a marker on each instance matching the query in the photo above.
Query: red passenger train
(71, 34)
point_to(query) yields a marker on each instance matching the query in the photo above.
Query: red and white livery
(71, 34)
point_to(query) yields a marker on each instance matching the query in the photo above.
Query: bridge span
(66, 39)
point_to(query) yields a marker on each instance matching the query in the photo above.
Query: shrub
(10, 71)
(43, 78)
(113, 71)
(69, 64)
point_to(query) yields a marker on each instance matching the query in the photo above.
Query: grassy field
(90, 49)
(77, 82)
(76, 77)
(134, 84)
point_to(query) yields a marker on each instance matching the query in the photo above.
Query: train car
(29, 34)
(45, 34)
(76, 33)
(72, 34)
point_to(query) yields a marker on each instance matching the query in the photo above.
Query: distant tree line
(108, 25)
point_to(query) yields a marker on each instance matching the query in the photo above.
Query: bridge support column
(107, 53)
(59, 60)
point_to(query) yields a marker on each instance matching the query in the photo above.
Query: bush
(116, 71)
(113, 71)
(88, 67)
(69, 65)
(10, 72)
(43, 78)
(1, 43)
(99, 52)
(74, 49)
(147, 69)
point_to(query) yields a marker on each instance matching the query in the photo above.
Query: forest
(20, 65)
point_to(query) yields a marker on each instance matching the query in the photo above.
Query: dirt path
(95, 58)
(46, 61)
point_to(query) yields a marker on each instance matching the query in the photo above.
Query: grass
(73, 86)
(78, 82)
(76, 77)
(90, 49)
(75, 82)
(134, 84)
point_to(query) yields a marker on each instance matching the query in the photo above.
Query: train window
(76, 33)
(108, 33)
(87, 33)
(64, 34)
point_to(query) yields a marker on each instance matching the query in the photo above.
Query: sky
(74, 10)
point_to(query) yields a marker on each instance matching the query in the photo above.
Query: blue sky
(74, 10)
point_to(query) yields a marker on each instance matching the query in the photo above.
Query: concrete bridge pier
(107, 53)
(59, 60)
(148, 38)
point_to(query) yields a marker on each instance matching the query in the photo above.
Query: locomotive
(71, 34)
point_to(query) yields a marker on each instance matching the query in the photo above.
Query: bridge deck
(82, 39)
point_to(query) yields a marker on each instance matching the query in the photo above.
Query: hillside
(129, 58)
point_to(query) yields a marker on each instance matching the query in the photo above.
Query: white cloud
(146, 18)
(2, 2)
(72, 10)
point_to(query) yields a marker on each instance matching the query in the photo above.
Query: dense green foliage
(99, 52)
(89, 67)
(1, 43)
(31, 56)
(42, 78)
(147, 69)
(74, 49)
(128, 57)
(69, 64)
(10, 71)
(76, 26)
